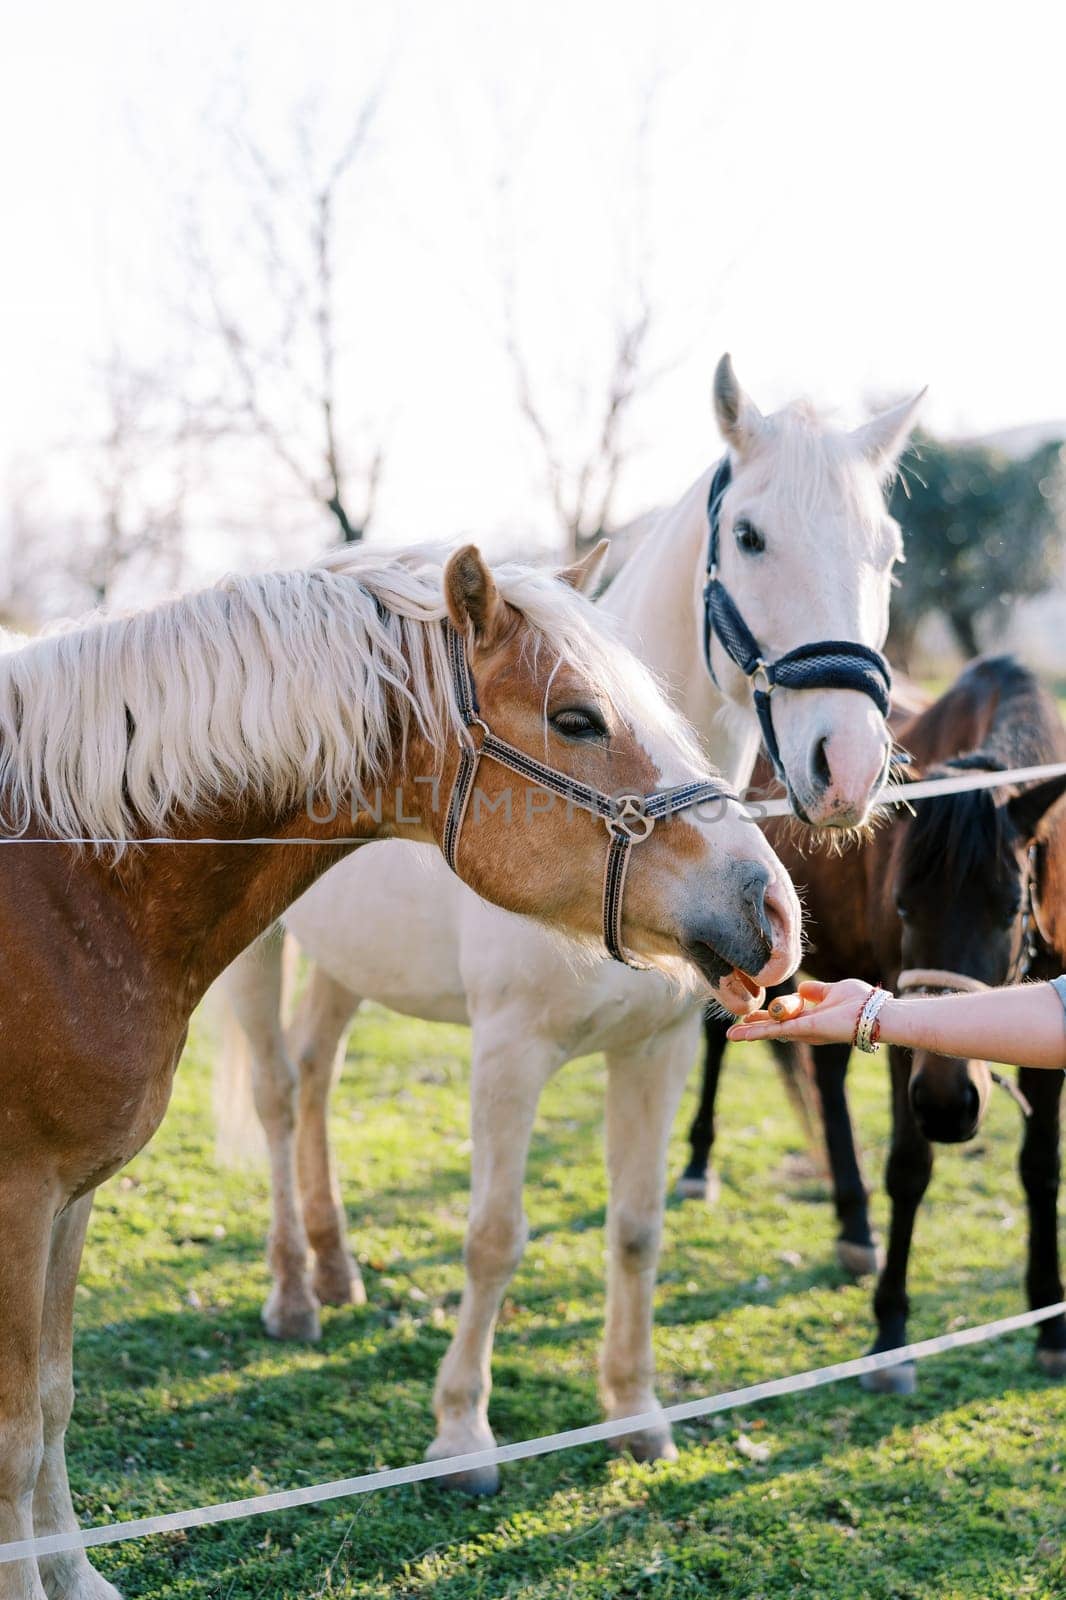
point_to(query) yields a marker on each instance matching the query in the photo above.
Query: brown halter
(629, 818)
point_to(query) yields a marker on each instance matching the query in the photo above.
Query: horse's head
(964, 891)
(806, 551)
(703, 888)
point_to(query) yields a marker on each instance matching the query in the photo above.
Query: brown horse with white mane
(968, 892)
(220, 715)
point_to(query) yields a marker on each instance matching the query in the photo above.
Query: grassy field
(957, 1491)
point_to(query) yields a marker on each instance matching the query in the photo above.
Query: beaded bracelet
(867, 1027)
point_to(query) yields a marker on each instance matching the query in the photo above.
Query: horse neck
(997, 707)
(657, 603)
(196, 907)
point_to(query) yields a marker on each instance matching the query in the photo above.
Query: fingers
(763, 1029)
(792, 1029)
(810, 989)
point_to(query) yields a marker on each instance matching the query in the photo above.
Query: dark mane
(1008, 720)
(955, 835)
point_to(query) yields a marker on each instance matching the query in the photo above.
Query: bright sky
(854, 199)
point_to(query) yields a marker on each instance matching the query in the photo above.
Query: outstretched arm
(1024, 1026)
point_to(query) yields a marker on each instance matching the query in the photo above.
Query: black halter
(629, 818)
(830, 664)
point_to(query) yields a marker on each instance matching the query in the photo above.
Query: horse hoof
(299, 1320)
(339, 1284)
(475, 1481)
(1051, 1362)
(860, 1260)
(87, 1584)
(654, 1444)
(707, 1188)
(892, 1380)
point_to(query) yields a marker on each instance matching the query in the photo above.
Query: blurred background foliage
(982, 530)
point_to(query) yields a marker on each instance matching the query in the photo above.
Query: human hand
(829, 1015)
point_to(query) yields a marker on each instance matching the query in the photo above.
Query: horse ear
(883, 438)
(471, 595)
(739, 418)
(582, 575)
(1028, 809)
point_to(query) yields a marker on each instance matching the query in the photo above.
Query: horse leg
(644, 1088)
(316, 1044)
(699, 1181)
(254, 989)
(1040, 1168)
(505, 1088)
(857, 1249)
(910, 1165)
(68, 1576)
(26, 1216)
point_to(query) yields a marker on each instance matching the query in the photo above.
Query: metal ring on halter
(629, 818)
(763, 670)
(630, 810)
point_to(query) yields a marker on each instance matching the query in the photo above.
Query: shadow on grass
(357, 1389)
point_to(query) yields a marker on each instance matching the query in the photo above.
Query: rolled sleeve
(1059, 986)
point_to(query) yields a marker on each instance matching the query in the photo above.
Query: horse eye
(579, 722)
(748, 537)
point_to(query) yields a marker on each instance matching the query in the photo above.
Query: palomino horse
(226, 714)
(803, 550)
(955, 897)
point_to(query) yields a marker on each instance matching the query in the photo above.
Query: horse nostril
(820, 773)
(758, 881)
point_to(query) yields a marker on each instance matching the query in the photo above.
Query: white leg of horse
(68, 1576)
(507, 1078)
(253, 989)
(316, 1044)
(644, 1087)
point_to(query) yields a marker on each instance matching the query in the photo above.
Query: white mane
(266, 687)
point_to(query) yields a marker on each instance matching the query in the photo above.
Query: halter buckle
(629, 819)
(760, 679)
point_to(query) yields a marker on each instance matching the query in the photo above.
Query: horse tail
(252, 995)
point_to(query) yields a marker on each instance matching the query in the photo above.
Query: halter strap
(629, 818)
(828, 664)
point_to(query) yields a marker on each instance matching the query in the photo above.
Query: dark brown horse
(223, 714)
(969, 891)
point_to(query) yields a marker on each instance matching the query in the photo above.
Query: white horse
(807, 550)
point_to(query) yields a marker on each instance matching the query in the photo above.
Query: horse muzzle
(948, 1097)
(840, 772)
(751, 941)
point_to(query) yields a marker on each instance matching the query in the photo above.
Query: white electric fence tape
(901, 794)
(893, 794)
(421, 1471)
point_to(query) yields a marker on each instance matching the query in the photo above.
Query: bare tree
(582, 486)
(283, 347)
(139, 470)
(117, 519)
(585, 439)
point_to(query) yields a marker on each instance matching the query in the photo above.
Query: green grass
(956, 1491)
